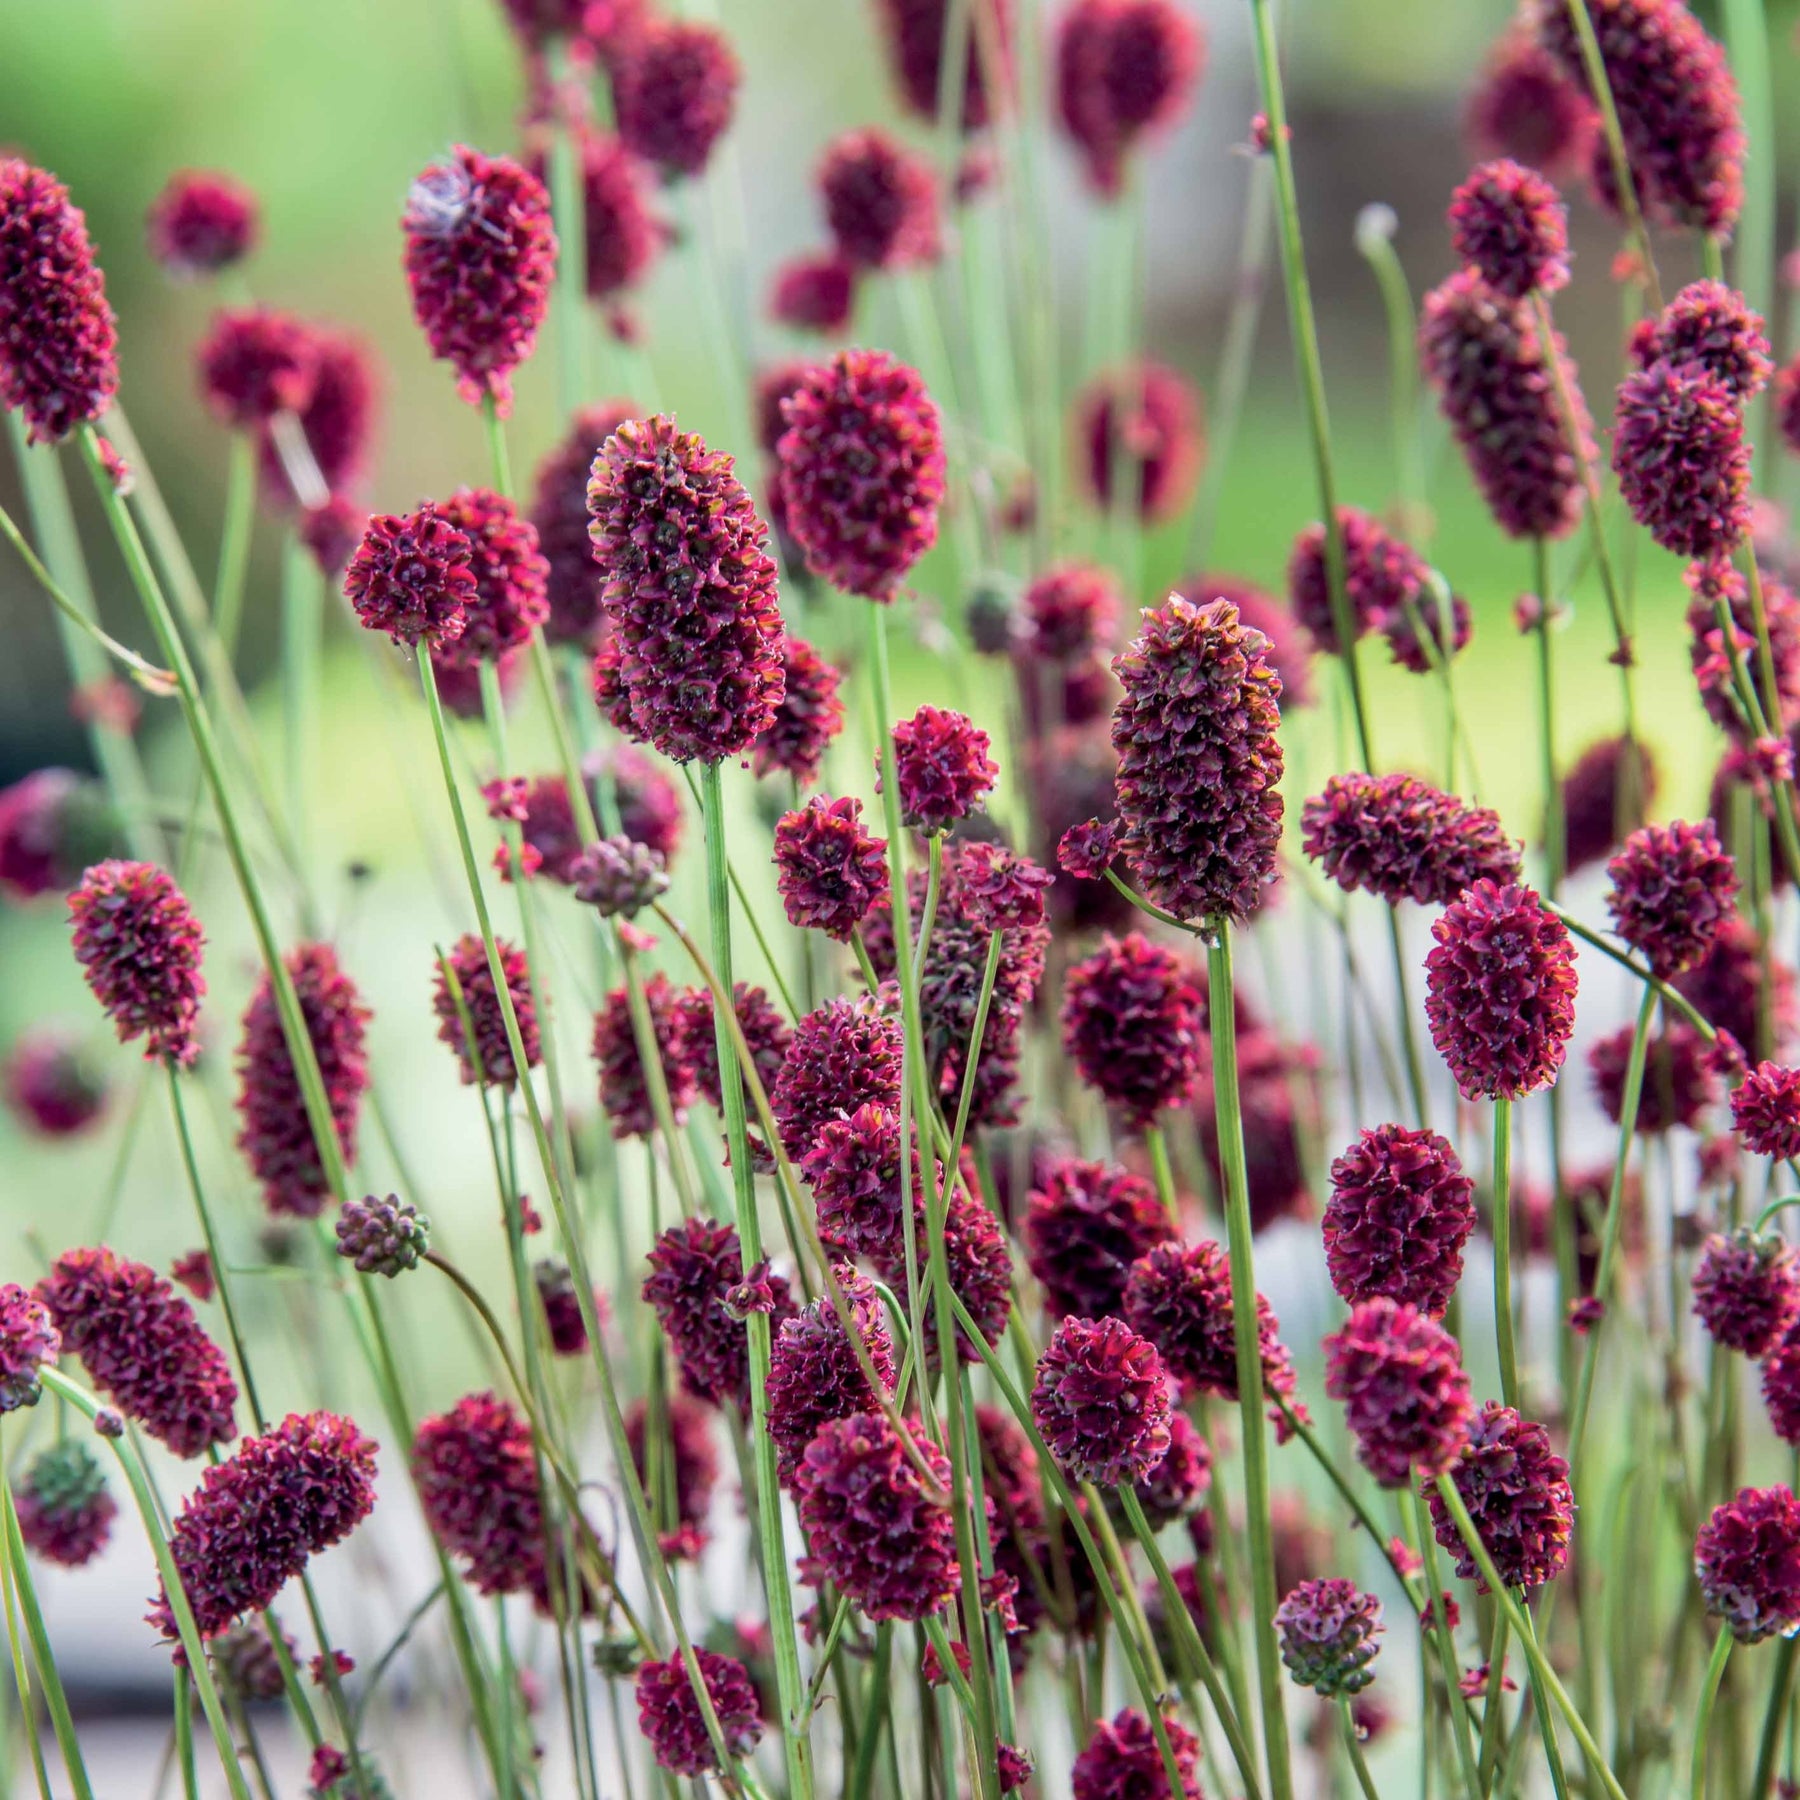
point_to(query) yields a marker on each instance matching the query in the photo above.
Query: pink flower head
(29, 1344)
(488, 1058)
(1747, 1290)
(670, 1718)
(1069, 612)
(814, 1374)
(621, 234)
(1381, 573)
(53, 824)
(1787, 403)
(1139, 426)
(830, 871)
(624, 1084)
(675, 88)
(413, 577)
(1500, 991)
(943, 768)
(1421, 638)
(1101, 1401)
(1519, 1499)
(1125, 71)
(1717, 652)
(1524, 106)
(65, 1513)
(1086, 1223)
(58, 344)
(1743, 989)
(844, 1055)
(1682, 459)
(511, 597)
(881, 202)
(256, 363)
(478, 1488)
(1405, 1395)
(1123, 1761)
(559, 515)
(1132, 1022)
(1509, 224)
(809, 717)
(1781, 1386)
(1087, 850)
(1709, 324)
(480, 259)
(1747, 1557)
(862, 471)
(1672, 886)
(201, 223)
(693, 1268)
(139, 944)
(814, 292)
(1400, 1212)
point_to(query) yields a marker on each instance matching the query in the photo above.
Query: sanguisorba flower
(813, 292)
(694, 1267)
(1747, 1289)
(256, 362)
(942, 767)
(1591, 798)
(1381, 573)
(478, 1487)
(65, 1513)
(1524, 106)
(29, 1344)
(488, 1058)
(871, 1526)
(58, 343)
(1500, 991)
(862, 471)
(1327, 1629)
(1199, 761)
(1400, 1212)
(809, 717)
(1125, 70)
(1406, 1398)
(880, 199)
(1070, 609)
(845, 1054)
(1710, 324)
(480, 260)
(138, 943)
(1496, 385)
(201, 223)
(1517, 1492)
(624, 1083)
(1508, 224)
(142, 1347)
(814, 1373)
(1139, 427)
(1682, 459)
(915, 33)
(560, 516)
(53, 824)
(1672, 888)
(830, 872)
(511, 597)
(1403, 839)
(1765, 1111)
(690, 591)
(413, 577)
(276, 1135)
(766, 1035)
(256, 1518)
(670, 1718)
(1086, 1223)
(620, 231)
(382, 1236)
(674, 88)
(1122, 1760)
(1132, 1023)
(50, 1085)
(1747, 1558)
(1101, 1401)
(1677, 107)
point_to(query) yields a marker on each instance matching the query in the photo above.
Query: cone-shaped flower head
(694, 1269)
(1400, 1212)
(560, 516)
(1747, 1290)
(1406, 1398)
(138, 944)
(511, 597)
(766, 1033)
(1328, 1630)
(476, 1028)
(1101, 1401)
(844, 1055)
(1747, 1557)
(1508, 223)
(1710, 324)
(943, 767)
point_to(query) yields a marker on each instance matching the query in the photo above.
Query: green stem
(1502, 1226)
(234, 541)
(1353, 1745)
(1409, 1037)
(1774, 1717)
(568, 210)
(1709, 1692)
(1747, 39)
(1446, 1649)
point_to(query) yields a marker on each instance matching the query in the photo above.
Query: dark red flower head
(830, 871)
(1747, 1557)
(59, 360)
(65, 1513)
(843, 1056)
(1717, 652)
(1289, 652)
(690, 591)
(413, 577)
(1380, 575)
(1400, 838)
(382, 1237)
(480, 259)
(1141, 427)
(1178, 1484)
(511, 597)
(1086, 1223)
(669, 1715)
(559, 515)
(1747, 1290)
(1400, 1212)
(276, 1135)
(1328, 1630)
(809, 717)
(871, 1527)
(944, 771)
(50, 1084)
(693, 1268)
(765, 1031)
(1709, 324)
(675, 87)
(915, 31)
(1123, 1761)
(560, 1301)
(478, 1488)
(1132, 1022)
(1508, 223)
(1593, 797)
(853, 1169)
(624, 1083)
(1101, 1401)
(1406, 1398)
(1787, 403)
(1419, 637)
(1682, 459)
(814, 1374)
(142, 1348)
(1672, 886)
(492, 1060)
(1525, 107)
(1069, 612)
(815, 292)
(257, 1517)
(53, 824)
(1677, 107)
(880, 198)
(1500, 991)
(29, 1344)
(1679, 1080)
(689, 1466)
(862, 471)
(1765, 1111)
(1125, 70)
(1743, 988)
(1199, 761)
(201, 223)
(337, 422)
(256, 363)
(620, 231)
(1519, 1499)
(1496, 385)
(1781, 1386)
(138, 944)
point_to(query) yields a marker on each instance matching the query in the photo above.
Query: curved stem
(1353, 1744)
(1709, 1692)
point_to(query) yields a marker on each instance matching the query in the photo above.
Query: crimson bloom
(139, 944)
(1125, 69)
(1138, 432)
(201, 223)
(1405, 1395)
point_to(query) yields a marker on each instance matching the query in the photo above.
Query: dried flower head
(29, 1344)
(1747, 1557)
(1140, 427)
(201, 223)
(1509, 224)
(1101, 1401)
(670, 1718)
(413, 577)
(809, 717)
(65, 1513)
(1400, 1212)
(1125, 71)
(382, 1237)
(1086, 1223)
(50, 1085)
(1747, 1290)
(478, 1488)
(138, 944)
(880, 200)
(1328, 1630)
(1122, 1761)
(831, 873)
(482, 1047)
(1517, 1492)
(1406, 1398)
(1672, 887)
(1132, 1023)
(942, 767)
(814, 1373)
(675, 88)
(1682, 459)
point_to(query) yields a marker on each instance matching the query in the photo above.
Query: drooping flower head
(276, 1135)
(511, 597)
(943, 768)
(1400, 1212)
(1747, 1557)
(413, 577)
(1406, 1398)
(559, 515)
(1132, 1023)
(1496, 385)
(814, 1374)
(142, 1348)
(1400, 838)
(1101, 1401)
(844, 1055)
(690, 591)
(50, 1085)
(862, 471)
(1122, 1761)
(482, 1047)
(830, 872)
(1125, 71)
(915, 33)
(29, 1344)
(201, 223)
(65, 1513)
(478, 1488)
(382, 1237)
(871, 1526)
(58, 343)
(138, 944)
(1682, 459)
(1199, 761)
(880, 200)
(1500, 991)
(1508, 223)
(1381, 573)
(1747, 1290)
(255, 363)
(1328, 1630)
(693, 1269)
(1138, 433)
(1765, 1111)
(670, 1718)
(624, 1082)
(674, 88)
(480, 260)
(256, 1518)
(1517, 1492)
